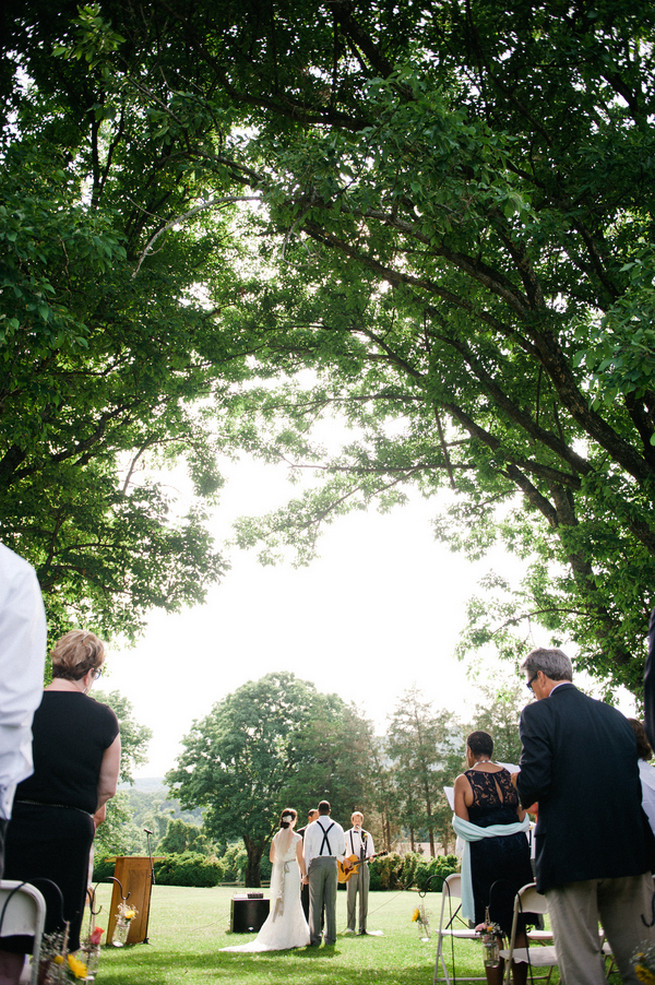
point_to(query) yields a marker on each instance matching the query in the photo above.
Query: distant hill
(148, 784)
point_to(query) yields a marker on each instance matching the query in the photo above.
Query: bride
(285, 925)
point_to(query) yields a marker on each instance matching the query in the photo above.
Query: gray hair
(552, 663)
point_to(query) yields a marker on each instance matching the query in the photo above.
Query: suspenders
(326, 840)
(362, 844)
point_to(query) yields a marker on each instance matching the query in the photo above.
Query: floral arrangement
(90, 952)
(490, 934)
(420, 917)
(644, 962)
(57, 967)
(125, 914)
(125, 911)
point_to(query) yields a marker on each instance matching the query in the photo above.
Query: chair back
(530, 901)
(452, 886)
(22, 911)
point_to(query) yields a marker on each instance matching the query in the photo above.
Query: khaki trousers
(576, 910)
(358, 883)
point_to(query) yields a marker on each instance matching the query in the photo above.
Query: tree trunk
(255, 850)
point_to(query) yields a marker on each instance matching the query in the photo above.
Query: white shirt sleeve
(22, 659)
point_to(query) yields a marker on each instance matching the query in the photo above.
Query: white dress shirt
(354, 843)
(22, 658)
(314, 845)
(647, 777)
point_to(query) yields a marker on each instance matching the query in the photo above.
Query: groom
(325, 842)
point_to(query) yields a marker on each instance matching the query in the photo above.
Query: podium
(249, 911)
(134, 874)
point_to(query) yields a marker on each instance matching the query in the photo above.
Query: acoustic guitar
(344, 874)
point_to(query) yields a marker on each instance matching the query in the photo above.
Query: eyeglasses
(531, 682)
(98, 673)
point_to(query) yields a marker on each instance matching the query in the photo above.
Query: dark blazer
(579, 761)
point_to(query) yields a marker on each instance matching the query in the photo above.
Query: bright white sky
(379, 610)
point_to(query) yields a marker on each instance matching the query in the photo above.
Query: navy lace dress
(499, 866)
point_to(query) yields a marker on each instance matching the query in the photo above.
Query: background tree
(259, 750)
(498, 712)
(425, 748)
(118, 834)
(184, 837)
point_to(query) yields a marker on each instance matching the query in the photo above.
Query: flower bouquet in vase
(90, 953)
(490, 937)
(124, 917)
(421, 919)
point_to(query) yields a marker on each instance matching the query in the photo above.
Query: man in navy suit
(594, 846)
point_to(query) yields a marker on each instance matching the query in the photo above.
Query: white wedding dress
(285, 925)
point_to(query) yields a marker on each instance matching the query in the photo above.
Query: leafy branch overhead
(435, 224)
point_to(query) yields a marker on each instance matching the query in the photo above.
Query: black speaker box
(248, 913)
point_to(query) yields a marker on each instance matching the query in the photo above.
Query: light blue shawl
(469, 832)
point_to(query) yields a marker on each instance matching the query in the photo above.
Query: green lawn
(188, 926)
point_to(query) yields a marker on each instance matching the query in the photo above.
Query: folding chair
(22, 911)
(528, 900)
(452, 927)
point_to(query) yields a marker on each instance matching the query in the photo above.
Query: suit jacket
(579, 761)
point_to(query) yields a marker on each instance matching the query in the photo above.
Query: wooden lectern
(134, 874)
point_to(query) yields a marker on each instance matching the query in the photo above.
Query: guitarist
(360, 845)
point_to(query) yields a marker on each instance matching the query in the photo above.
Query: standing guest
(76, 762)
(359, 844)
(496, 861)
(304, 888)
(646, 771)
(22, 658)
(325, 842)
(594, 847)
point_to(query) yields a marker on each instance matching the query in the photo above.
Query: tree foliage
(455, 238)
(424, 746)
(272, 743)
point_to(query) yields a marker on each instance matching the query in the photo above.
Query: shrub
(430, 875)
(189, 869)
(102, 869)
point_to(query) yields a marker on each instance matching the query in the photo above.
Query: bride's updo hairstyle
(76, 653)
(287, 816)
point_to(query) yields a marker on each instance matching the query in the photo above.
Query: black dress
(499, 866)
(51, 830)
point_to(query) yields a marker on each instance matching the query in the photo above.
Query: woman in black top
(485, 795)
(76, 749)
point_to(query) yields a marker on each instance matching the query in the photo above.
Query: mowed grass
(189, 926)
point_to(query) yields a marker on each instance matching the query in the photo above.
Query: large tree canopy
(455, 237)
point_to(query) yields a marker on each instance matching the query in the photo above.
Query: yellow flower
(415, 915)
(58, 959)
(645, 975)
(130, 914)
(77, 967)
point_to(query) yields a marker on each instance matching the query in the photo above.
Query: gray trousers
(358, 883)
(323, 893)
(618, 904)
